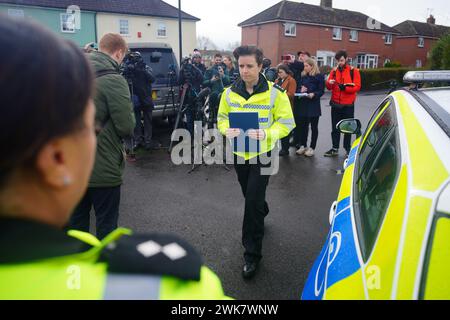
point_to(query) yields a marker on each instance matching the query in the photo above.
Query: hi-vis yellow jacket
(273, 107)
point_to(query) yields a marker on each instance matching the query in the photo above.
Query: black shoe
(249, 270)
(284, 153)
(332, 153)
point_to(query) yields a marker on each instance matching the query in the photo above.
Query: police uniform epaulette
(155, 254)
(279, 88)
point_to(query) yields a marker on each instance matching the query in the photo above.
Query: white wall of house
(151, 29)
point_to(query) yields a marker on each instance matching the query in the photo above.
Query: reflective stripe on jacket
(274, 111)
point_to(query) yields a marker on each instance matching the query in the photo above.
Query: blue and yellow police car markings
(340, 258)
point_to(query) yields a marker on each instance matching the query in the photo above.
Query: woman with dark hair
(253, 93)
(286, 81)
(48, 135)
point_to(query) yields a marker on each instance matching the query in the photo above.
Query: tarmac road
(206, 208)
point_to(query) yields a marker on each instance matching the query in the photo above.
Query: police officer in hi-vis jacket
(254, 93)
(48, 133)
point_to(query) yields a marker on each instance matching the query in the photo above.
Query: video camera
(132, 62)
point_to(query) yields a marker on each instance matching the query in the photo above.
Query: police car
(390, 227)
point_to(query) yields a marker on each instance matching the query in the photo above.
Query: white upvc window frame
(338, 37)
(388, 38)
(161, 31)
(62, 20)
(290, 29)
(123, 28)
(421, 42)
(363, 61)
(356, 33)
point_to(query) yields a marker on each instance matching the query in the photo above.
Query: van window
(161, 68)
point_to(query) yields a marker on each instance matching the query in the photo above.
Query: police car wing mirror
(155, 57)
(350, 126)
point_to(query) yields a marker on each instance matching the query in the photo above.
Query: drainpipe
(95, 28)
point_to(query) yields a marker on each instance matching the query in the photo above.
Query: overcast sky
(219, 19)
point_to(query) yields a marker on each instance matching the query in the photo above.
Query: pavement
(206, 208)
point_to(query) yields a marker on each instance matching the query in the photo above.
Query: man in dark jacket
(298, 66)
(344, 82)
(269, 72)
(115, 121)
(197, 61)
(140, 76)
(191, 76)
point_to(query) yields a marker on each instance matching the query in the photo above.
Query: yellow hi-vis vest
(274, 111)
(121, 267)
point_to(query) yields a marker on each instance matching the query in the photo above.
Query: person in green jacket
(216, 78)
(115, 121)
(48, 131)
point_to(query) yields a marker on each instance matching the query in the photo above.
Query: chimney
(431, 20)
(326, 4)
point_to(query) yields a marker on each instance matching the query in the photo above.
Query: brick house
(414, 44)
(288, 27)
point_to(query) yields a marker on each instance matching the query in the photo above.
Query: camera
(132, 62)
(216, 71)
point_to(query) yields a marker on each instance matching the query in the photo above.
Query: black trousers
(106, 203)
(305, 123)
(337, 115)
(143, 132)
(286, 142)
(298, 118)
(253, 185)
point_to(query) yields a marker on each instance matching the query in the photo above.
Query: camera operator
(197, 62)
(216, 78)
(193, 77)
(140, 78)
(270, 73)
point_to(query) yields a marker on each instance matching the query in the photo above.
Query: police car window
(376, 136)
(375, 189)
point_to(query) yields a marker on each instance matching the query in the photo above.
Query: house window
(337, 34)
(290, 29)
(350, 61)
(418, 63)
(67, 23)
(326, 58)
(162, 30)
(124, 27)
(16, 13)
(421, 42)
(388, 39)
(367, 61)
(354, 35)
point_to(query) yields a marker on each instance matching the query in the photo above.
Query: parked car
(161, 58)
(390, 227)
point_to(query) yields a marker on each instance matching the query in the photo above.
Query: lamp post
(180, 27)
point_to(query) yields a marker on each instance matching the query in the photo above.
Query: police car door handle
(333, 212)
(346, 164)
